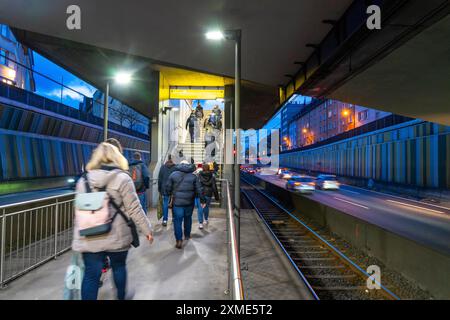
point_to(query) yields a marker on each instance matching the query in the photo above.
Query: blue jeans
(203, 213)
(165, 207)
(143, 199)
(181, 214)
(93, 263)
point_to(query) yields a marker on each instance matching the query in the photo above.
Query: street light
(346, 113)
(122, 78)
(215, 35)
(235, 35)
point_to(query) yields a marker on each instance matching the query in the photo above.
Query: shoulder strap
(118, 210)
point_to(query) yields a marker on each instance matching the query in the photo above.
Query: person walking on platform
(163, 176)
(209, 189)
(199, 112)
(183, 187)
(191, 123)
(107, 211)
(139, 174)
(115, 143)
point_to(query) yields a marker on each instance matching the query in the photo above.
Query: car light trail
(350, 191)
(413, 206)
(355, 204)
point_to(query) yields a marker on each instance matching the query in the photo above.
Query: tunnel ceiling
(409, 81)
(413, 80)
(171, 33)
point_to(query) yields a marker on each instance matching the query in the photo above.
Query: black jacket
(208, 183)
(191, 121)
(184, 186)
(163, 176)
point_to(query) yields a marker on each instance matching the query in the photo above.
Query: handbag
(74, 277)
(159, 211)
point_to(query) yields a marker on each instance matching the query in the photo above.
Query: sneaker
(206, 221)
(164, 224)
(200, 226)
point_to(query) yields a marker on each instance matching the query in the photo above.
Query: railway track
(328, 273)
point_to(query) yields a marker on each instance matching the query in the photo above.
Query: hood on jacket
(169, 164)
(186, 168)
(98, 178)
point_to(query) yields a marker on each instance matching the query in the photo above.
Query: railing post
(56, 228)
(230, 267)
(2, 250)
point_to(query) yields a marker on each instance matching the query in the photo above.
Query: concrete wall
(426, 267)
(414, 153)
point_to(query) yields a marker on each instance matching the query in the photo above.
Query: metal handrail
(33, 235)
(235, 278)
(17, 204)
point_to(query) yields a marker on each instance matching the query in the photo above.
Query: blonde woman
(107, 169)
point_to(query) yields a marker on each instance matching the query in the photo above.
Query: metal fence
(32, 233)
(40, 102)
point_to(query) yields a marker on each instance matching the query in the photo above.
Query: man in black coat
(191, 123)
(163, 176)
(183, 187)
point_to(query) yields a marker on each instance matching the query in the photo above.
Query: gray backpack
(136, 175)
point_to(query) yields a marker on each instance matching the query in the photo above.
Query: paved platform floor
(266, 273)
(159, 271)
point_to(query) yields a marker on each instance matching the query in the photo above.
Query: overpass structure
(322, 49)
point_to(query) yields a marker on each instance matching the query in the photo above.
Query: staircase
(196, 150)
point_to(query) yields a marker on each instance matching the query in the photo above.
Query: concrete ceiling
(172, 31)
(413, 80)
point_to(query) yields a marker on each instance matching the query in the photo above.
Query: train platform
(157, 271)
(427, 224)
(199, 271)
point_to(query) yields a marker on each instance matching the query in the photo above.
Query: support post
(56, 228)
(2, 249)
(105, 112)
(237, 105)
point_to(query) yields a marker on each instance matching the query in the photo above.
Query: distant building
(321, 120)
(16, 61)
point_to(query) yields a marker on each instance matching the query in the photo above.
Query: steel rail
(237, 288)
(16, 204)
(357, 269)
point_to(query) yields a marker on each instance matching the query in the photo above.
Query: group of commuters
(183, 187)
(212, 123)
(111, 206)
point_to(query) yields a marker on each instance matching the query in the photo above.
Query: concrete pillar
(155, 141)
(228, 123)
